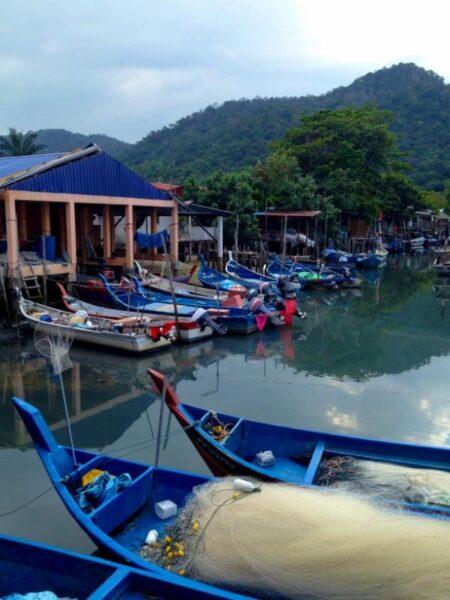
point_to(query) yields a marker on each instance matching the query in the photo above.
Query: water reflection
(371, 362)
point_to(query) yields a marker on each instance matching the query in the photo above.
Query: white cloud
(127, 68)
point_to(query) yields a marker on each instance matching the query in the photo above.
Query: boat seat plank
(122, 506)
(285, 469)
(314, 464)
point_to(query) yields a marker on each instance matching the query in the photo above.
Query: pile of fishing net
(386, 481)
(283, 541)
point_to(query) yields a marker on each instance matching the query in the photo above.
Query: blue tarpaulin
(154, 240)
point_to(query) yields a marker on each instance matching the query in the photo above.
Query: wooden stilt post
(71, 234)
(129, 237)
(220, 242)
(174, 233)
(22, 220)
(45, 215)
(283, 256)
(11, 233)
(106, 232)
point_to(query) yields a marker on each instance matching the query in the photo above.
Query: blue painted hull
(240, 272)
(373, 262)
(298, 452)
(119, 525)
(32, 567)
(213, 279)
(166, 298)
(133, 301)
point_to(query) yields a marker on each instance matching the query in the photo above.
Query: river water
(373, 362)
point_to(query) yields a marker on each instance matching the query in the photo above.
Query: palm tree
(17, 143)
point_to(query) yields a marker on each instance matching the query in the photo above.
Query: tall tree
(17, 143)
(348, 152)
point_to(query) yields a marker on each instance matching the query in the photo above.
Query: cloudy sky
(126, 67)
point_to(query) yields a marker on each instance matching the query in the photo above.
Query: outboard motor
(258, 305)
(203, 318)
(287, 287)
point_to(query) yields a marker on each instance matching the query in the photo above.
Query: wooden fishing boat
(229, 445)
(162, 284)
(236, 320)
(126, 298)
(240, 272)
(214, 280)
(190, 330)
(183, 300)
(305, 276)
(129, 335)
(30, 567)
(341, 276)
(118, 525)
(442, 267)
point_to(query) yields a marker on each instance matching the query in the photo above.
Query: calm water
(372, 362)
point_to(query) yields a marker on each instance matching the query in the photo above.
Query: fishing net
(386, 481)
(283, 541)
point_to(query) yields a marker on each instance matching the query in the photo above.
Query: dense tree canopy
(336, 161)
(238, 134)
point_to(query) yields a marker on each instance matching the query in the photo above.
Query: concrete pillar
(11, 232)
(129, 237)
(46, 223)
(106, 231)
(174, 233)
(71, 235)
(220, 242)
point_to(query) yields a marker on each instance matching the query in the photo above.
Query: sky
(128, 67)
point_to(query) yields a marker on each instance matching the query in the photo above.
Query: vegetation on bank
(238, 134)
(342, 161)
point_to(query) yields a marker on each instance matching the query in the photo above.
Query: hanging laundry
(148, 241)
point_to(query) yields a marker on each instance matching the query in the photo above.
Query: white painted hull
(108, 339)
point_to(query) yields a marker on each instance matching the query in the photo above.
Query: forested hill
(61, 140)
(238, 133)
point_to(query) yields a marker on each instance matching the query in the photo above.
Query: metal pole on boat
(161, 409)
(283, 256)
(66, 411)
(172, 291)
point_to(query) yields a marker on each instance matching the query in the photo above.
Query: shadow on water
(372, 362)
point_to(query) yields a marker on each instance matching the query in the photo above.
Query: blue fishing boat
(128, 299)
(373, 260)
(183, 300)
(240, 272)
(343, 276)
(215, 280)
(120, 523)
(240, 321)
(232, 445)
(51, 573)
(306, 276)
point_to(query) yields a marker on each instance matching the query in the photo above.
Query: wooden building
(80, 201)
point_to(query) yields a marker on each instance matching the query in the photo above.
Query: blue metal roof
(97, 174)
(10, 165)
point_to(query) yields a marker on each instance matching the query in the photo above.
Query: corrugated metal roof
(186, 209)
(97, 174)
(10, 165)
(290, 213)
